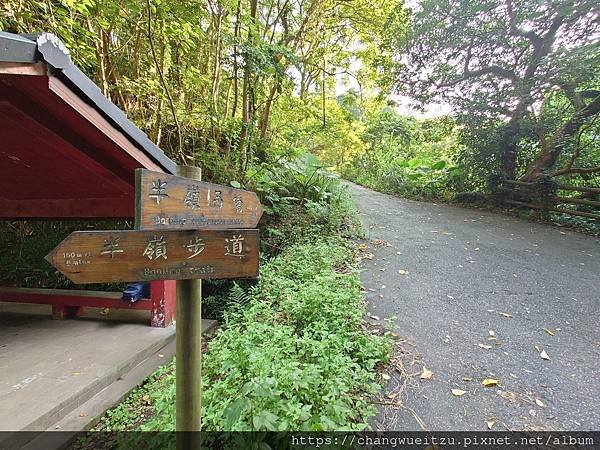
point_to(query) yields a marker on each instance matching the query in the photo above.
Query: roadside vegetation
(291, 352)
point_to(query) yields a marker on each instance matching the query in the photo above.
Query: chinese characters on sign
(159, 190)
(238, 204)
(235, 246)
(156, 248)
(192, 197)
(137, 255)
(169, 202)
(217, 200)
(195, 247)
(111, 246)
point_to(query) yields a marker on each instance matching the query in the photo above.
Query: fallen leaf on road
(403, 272)
(489, 382)
(385, 376)
(83, 414)
(503, 314)
(458, 392)
(426, 374)
(537, 349)
(549, 332)
(380, 243)
(467, 379)
(490, 422)
(492, 333)
(375, 317)
(544, 355)
(487, 347)
(508, 396)
(539, 402)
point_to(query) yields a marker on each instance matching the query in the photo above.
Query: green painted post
(188, 351)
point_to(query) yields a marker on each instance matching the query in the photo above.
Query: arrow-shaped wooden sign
(166, 201)
(109, 256)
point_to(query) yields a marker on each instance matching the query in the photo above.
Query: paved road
(471, 272)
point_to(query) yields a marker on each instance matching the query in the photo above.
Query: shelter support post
(163, 299)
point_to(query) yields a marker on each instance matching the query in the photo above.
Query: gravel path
(473, 292)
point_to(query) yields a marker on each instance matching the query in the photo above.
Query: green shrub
(293, 357)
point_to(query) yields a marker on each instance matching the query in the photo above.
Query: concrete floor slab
(49, 368)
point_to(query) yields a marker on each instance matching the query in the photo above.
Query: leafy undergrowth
(291, 356)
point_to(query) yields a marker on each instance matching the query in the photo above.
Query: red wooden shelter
(67, 152)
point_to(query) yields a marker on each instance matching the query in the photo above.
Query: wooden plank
(578, 201)
(66, 297)
(576, 213)
(23, 68)
(579, 188)
(170, 202)
(518, 183)
(99, 122)
(559, 210)
(110, 256)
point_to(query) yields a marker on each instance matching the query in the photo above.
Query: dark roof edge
(46, 46)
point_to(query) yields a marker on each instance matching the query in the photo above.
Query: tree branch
(576, 170)
(491, 70)
(514, 30)
(163, 82)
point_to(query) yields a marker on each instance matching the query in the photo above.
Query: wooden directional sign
(166, 201)
(108, 256)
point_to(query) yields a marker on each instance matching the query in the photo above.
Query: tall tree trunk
(266, 112)
(216, 75)
(246, 95)
(236, 37)
(100, 57)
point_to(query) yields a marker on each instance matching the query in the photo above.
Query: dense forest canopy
(225, 82)
(238, 86)
(502, 64)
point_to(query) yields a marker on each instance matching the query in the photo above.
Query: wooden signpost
(185, 230)
(109, 256)
(169, 202)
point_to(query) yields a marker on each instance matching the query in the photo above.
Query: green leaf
(235, 411)
(264, 420)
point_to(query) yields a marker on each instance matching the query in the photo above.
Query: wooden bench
(68, 304)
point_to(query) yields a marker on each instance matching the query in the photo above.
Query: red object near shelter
(67, 152)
